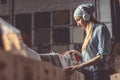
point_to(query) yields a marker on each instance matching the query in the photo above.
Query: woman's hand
(76, 55)
(70, 70)
(74, 51)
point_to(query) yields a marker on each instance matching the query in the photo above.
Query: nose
(78, 23)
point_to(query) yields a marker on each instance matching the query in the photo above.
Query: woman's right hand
(76, 54)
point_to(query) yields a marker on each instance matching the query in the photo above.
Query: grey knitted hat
(84, 8)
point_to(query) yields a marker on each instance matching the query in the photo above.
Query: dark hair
(93, 19)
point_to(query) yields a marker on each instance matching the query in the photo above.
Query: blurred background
(48, 26)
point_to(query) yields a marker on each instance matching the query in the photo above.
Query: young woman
(96, 46)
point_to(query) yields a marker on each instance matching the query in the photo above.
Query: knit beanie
(84, 8)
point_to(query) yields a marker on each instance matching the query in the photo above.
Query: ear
(86, 16)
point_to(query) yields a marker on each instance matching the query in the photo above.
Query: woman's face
(80, 22)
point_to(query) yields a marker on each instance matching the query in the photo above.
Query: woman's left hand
(70, 70)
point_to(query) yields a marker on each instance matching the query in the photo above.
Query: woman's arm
(90, 62)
